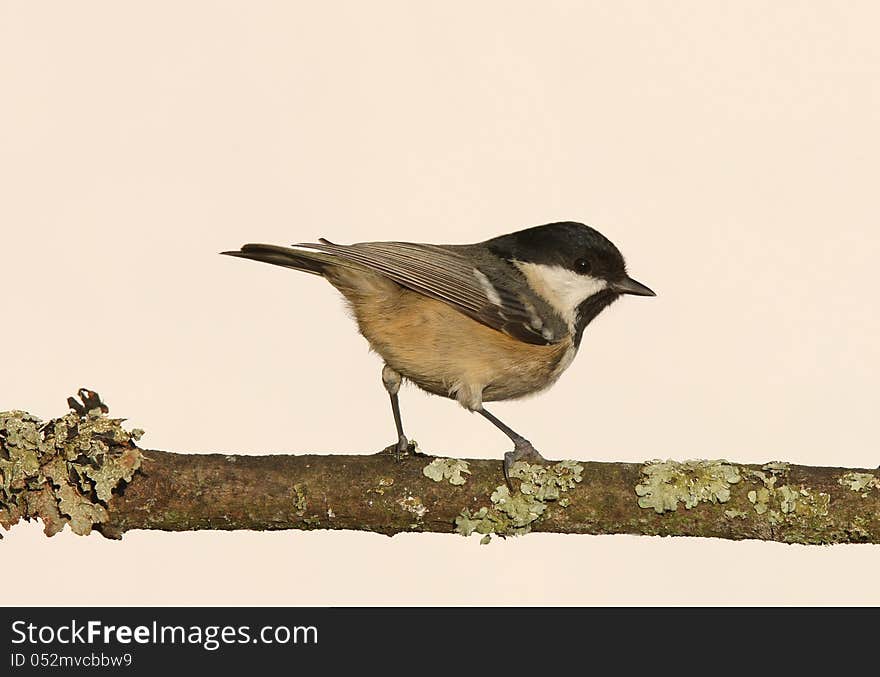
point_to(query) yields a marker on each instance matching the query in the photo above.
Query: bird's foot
(401, 448)
(522, 451)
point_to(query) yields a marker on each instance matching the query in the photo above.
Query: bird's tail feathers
(298, 258)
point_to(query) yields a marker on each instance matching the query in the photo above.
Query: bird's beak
(629, 286)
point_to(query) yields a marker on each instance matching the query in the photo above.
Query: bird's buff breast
(447, 353)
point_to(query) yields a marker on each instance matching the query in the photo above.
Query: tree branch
(181, 492)
(120, 491)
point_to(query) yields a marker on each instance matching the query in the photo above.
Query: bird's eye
(583, 266)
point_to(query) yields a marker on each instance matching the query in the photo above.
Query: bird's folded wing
(445, 274)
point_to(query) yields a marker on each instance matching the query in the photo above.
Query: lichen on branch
(85, 469)
(65, 470)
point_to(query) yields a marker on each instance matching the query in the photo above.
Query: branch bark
(182, 492)
(85, 470)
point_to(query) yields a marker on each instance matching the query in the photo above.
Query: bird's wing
(444, 273)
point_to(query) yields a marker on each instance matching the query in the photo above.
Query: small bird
(495, 320)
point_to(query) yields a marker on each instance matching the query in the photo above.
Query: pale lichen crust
(383, 484)
(300, 498)
(861, 482)
(513, 514)
(414, 506)
(447, 469)
(64, 471)
(785, 502)
(665, 484)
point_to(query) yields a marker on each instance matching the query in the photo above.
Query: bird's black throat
(589, 309)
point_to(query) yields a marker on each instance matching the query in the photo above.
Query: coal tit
(477, 323)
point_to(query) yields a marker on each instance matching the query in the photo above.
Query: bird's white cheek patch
(563, 289)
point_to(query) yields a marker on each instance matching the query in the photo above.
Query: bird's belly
(447, 353)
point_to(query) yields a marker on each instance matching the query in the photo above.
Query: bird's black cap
(571, 245)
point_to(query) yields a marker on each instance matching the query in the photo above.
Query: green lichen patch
(513, 513)
(518, 508)
(447, 469)
(665, 484)
(859, 530)
(769, 474)
(547, 483)
(64, 471)
(785, 502)
(760, 499)
(300, 498)
(789, 498)
(803, 502)
(861, 482)
(382, 485)
(479, 521)
(767, 480)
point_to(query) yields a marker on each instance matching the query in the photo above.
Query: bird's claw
(401, 448)
(522, 451)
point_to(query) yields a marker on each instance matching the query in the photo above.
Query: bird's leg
(522, 448)
(391, 381)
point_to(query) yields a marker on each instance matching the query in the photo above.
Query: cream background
(729, 149)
